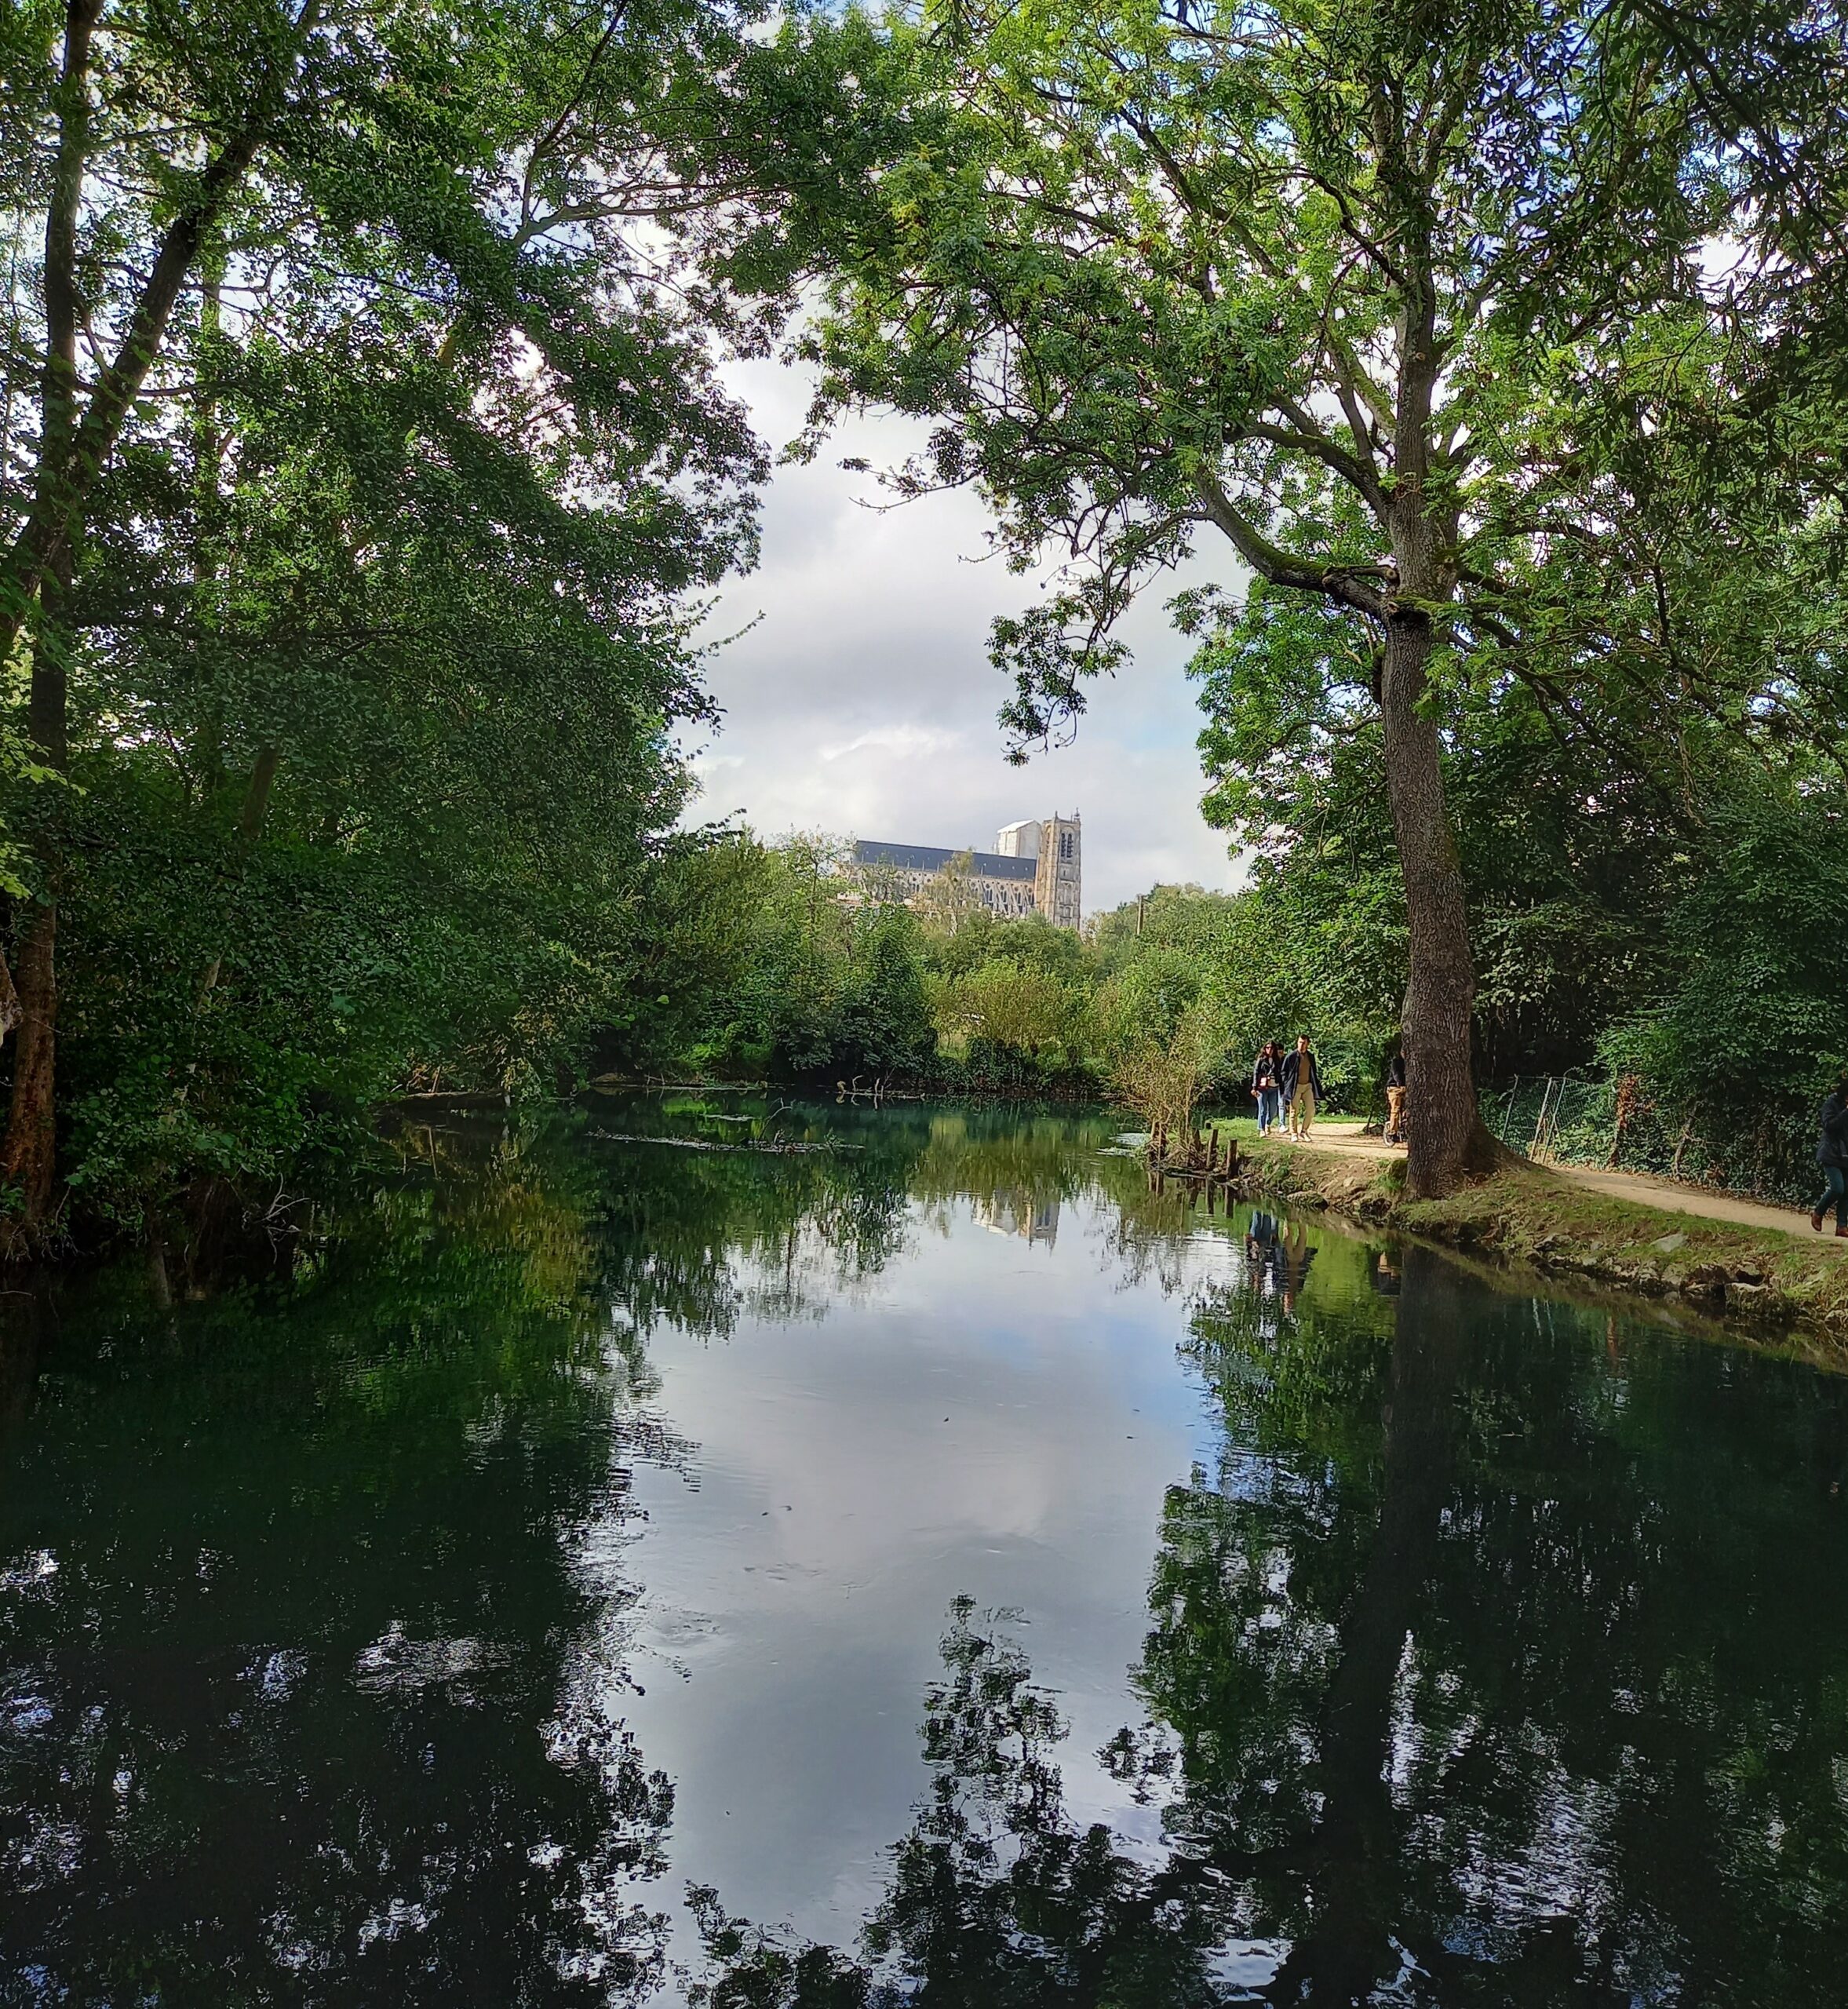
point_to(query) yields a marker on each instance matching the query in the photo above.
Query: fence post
(1536, 1145)
(1507, 1115)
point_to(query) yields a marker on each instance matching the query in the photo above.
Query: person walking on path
(1302, 1087)
(1395, 1099)
(1267, 1086)
(1831, 1155)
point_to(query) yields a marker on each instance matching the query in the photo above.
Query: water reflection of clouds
(990, 1424)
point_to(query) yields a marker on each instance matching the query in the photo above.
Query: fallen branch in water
(775, 1147)
(611, 1084)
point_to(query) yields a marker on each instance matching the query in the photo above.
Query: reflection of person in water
(1829, 1446)
(1295, 1254)
(24, 1317)
(1260, 1248)
(1384, 1276)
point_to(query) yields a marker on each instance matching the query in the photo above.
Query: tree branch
(64, 313)
(1344, 584)
(555, 132)
(46, 537)
(1356, 384)
(1303, 435)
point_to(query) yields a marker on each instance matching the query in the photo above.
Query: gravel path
(1345, 1139)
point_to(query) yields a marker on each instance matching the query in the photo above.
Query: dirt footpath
(1663, 1193)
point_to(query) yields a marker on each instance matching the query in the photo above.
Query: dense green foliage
(1666, 909)
(1682, 933)
(830, 982)
(1497, 343)
(826, 985)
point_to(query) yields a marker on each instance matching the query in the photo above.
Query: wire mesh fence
(1613, 1121)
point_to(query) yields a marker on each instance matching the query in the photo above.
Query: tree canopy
(367, 454)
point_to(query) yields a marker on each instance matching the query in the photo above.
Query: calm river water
(935, 1571)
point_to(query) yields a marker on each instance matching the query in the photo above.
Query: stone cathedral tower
(1058, 888)
(1056, 846)
(1034, 868)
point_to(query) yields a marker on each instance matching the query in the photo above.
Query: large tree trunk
(1446, 1137)
(28, 1157)
(37, 569)
(77, 437)
(28, 1154)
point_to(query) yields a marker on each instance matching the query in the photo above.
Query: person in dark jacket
(1302, 1087)
(1267, 1086)
(1831, 1155)
(1395, 1099)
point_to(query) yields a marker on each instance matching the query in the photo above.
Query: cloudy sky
(863, 702)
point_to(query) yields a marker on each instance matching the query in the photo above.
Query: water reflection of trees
(285, 1603)
(701, 1238)
(292, 1576)
(1470, 1681)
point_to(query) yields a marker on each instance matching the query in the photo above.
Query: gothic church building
(1034, 868)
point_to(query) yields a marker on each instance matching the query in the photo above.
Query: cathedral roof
(930, 857)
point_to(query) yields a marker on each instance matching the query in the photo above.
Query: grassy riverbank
(1527, 1215)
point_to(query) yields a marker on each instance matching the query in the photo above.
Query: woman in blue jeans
(1267, 1086)
(1831, 1155)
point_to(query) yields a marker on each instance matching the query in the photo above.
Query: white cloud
(863, 700)
(909, 741)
